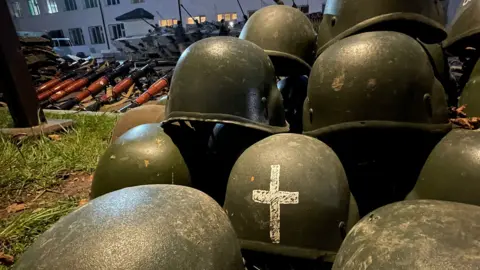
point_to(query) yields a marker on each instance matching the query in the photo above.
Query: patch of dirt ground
(76, 185)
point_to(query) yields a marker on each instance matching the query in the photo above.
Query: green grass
(19, 231)
(41, 160)
(40, 163)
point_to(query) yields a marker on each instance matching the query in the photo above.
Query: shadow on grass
(33, 164)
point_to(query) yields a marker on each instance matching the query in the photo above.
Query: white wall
(83, 18)
(137, 27)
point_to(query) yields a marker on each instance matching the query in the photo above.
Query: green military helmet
(288, 195)
(145, 227)
(374, 106)
(439, 60)
(286, 35)
(226, 80)
(146, 114)
(414, 235)
(470, 94)
(366, 83)
(424, 19)
(144, 155)
(452, 170)
(464, 29)
(325, 30)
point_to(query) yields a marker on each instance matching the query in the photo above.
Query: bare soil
(76, 185)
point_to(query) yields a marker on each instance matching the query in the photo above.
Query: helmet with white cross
(288, 195)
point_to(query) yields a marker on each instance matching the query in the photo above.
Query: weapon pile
(81, 89)
(162, 43)
(40, 57)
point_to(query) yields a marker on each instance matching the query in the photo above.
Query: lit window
(116, 31)
(227, 16)
(169, 22)
(33, 7)
(91, 3)
(52, 6)
(198, 18)
(76, 36)
(16, 9)
(70, 5)
(96, 35)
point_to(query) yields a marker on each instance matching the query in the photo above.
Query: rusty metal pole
(16, 82)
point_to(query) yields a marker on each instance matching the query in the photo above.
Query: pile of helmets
(273, 145)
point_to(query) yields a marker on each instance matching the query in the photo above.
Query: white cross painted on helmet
(275, 198)
(466, 2)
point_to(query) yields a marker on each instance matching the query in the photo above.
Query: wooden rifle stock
(97, 86)
(153, 90)
(48, 85)
(123, 85)
(43, 96)
(75, 86)
(92, 90)
(54, 82)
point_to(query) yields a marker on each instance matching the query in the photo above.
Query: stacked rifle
(109, 85)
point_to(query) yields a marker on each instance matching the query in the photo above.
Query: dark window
(76, 36)
(113, 2)
(70, 5)
(91, 3)
(56, 34)
(116, 31)
(96, 35)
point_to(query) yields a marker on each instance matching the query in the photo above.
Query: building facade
(81, 20)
